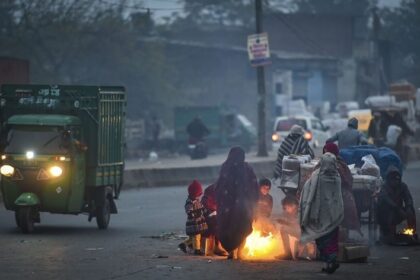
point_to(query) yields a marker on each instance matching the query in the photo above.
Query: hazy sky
(176, 6)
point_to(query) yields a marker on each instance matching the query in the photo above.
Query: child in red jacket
(196, 223)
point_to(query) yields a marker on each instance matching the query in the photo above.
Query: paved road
(68, 247)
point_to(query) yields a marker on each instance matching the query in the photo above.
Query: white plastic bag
(392, 135)
(370, 167)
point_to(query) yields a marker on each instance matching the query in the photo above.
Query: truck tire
(103, 214)
(17, 218)
(25, 219)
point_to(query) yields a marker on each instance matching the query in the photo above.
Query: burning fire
(408, 231)
(263, 245)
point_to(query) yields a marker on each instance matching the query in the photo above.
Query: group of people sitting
(225, 214)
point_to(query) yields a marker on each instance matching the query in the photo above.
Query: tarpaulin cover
(384, 157)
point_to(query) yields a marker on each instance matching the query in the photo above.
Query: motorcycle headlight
(56, 171)
(7, 170)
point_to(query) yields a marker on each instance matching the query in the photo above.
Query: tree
(335, 7)
(401, 26)
(88, 42)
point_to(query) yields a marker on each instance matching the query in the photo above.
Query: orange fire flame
(263, 245)
(408, 231)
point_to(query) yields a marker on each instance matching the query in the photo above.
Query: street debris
(159, 256)
(159, 266)
(167, 236)
(404, 258)
(94, 249)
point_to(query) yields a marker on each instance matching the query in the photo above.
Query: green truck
(227, 128)
(62, 150)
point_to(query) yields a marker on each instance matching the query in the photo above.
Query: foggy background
(193, 52)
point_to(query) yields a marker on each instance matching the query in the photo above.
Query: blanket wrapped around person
(321, 210)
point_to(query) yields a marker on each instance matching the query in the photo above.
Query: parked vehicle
(62, 151)
(316, 132)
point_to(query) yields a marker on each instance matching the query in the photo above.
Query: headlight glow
(7, 170)
(56, 171)
(275, 137)
(30, 154)
(307, 136)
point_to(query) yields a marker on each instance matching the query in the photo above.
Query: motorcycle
(197, 148)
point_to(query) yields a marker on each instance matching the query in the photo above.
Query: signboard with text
(258, 49)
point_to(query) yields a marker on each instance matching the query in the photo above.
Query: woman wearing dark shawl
(236, 198)
(296, 144)
(351, 219)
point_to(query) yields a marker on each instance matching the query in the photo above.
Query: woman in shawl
(295, 143)
(236, 198)
(351, 219)
(321, 210)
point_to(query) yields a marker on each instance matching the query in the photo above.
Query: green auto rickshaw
(61, 151)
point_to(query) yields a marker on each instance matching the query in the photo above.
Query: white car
(316, 133)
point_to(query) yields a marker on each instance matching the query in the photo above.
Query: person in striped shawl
(294, 143)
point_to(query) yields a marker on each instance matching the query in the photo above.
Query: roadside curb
(160, 177)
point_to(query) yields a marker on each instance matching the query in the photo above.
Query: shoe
(198, 253)
(332, 268)
(182, 247)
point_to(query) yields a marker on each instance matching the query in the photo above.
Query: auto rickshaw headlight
(56, 171)
(7, 170)
(30, 154)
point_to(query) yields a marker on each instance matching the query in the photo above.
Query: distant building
(326, 58)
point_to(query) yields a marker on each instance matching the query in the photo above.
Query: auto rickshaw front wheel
(103, 214)
(25, 219)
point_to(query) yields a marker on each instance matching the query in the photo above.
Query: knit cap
(195, 189)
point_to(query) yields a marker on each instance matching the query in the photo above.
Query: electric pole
(262, 147)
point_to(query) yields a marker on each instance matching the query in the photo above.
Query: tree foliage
(87, 42)
(401, 26)
(334, 7)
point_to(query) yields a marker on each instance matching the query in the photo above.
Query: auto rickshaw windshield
(40, 140)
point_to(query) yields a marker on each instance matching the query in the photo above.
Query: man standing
(197, 130)
(349, 136)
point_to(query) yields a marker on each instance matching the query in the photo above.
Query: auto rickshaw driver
(69, 137)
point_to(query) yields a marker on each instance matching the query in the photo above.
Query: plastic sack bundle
(384, 157)
(370, 167)
(392, 135)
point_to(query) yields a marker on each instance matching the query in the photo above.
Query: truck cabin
(42, 135)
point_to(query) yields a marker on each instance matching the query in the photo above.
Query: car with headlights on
(315, 132)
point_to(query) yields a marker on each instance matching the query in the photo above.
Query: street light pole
(262, 147)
